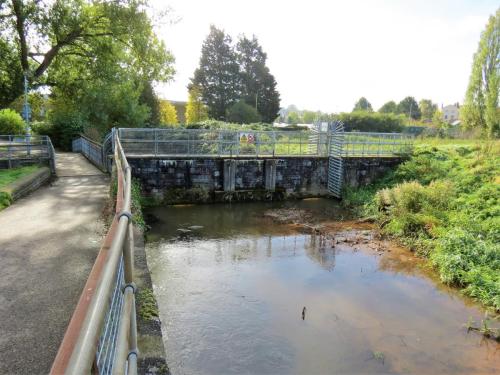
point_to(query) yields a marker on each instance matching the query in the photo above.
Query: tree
(427, 109)
(293, 118)
(409, 107)
(59, 30)
(389, 107)
(242, 113)
(218, 76)
(309, 117)
(39, 106)
(363, 105)
(257, 83)
(480, 109)
(196, 111)
(168, 113)
(148, 97)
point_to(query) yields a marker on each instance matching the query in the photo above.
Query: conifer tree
(218, 75)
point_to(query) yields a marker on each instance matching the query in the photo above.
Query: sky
(326, 54)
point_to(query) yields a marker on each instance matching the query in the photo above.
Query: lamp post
(27, 114)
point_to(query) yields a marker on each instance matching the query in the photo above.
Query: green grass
(7, 176)
(444, 204)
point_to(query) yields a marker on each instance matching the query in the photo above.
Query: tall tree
(168, 113)
(148, 97)
(258, 84)
(78, 30)
(480, 109)
(409, 107)
(363, 105)
(218, 75)
(196, 110)
(427, 109)
(389, 107)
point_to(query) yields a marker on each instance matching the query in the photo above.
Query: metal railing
(102, 334)
(25, 149)
(92, 150)
(233, 143)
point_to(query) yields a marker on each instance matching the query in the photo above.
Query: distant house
(450, 113)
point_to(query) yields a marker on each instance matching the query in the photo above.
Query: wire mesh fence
(92, 150)
(231, 143)
(107, 342)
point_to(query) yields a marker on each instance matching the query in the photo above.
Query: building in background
(451, 113)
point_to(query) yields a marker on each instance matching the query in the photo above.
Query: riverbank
(443, 204)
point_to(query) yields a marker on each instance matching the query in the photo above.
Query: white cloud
(326, 54)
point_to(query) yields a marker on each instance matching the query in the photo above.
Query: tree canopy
(427, 109)
(409, 107)
(480, 109)
(228, 74)
(363, 105)
(257, 83)
(168, 113)
(96, 56)
(196, 110)
(218, 76)
(389, 107)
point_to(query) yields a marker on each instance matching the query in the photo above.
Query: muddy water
(232, 285)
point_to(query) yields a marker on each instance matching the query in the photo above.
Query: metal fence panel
(17, 149)
(234, 143)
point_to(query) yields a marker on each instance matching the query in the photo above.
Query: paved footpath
(48, 243)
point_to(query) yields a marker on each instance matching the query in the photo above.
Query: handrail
(179, 142)
(24, 148)
(77, 352)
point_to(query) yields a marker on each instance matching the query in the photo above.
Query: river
(240, 293)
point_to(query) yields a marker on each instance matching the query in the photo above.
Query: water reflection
(231, 296)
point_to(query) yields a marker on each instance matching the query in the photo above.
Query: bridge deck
(48, 243)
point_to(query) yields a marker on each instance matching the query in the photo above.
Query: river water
(241, 294)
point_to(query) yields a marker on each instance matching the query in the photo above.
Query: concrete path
(48, 243)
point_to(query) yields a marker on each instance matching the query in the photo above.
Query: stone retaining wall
(205, 179)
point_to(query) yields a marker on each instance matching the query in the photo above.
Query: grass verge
(444, 204)
(7, 176)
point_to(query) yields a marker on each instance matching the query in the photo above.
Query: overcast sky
(326, 54)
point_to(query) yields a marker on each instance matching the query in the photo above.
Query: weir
(204, 165)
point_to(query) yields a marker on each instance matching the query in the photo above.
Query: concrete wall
(181, 180)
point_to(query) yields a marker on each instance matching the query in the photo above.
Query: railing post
(156, 142)
(10, 151)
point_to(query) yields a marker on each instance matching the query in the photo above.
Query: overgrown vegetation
(444, 204)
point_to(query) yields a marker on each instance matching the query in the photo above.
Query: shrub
(372, 122)
(42, 128)
(66, 126)
(242, 113)
(11, 122)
